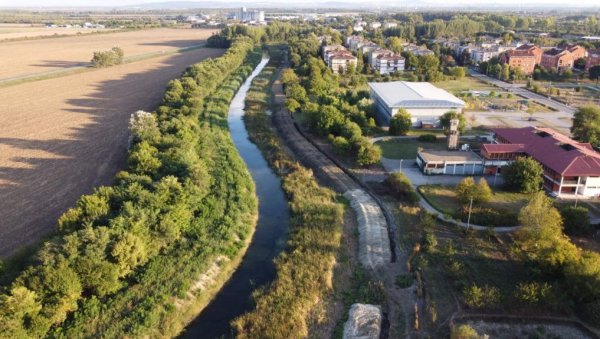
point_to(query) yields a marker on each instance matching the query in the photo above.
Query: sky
(117, 3)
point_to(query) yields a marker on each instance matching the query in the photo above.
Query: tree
(463, 331)
(576, 220)
(579, 63)
(458, 72)
(143, 126)
(395, 44)
(586, 124)
(400, 123)
(505, 72)
(524, 174)
(467, 190)
(368, 153)
(595, 73)
(445, 120)
(541, 237)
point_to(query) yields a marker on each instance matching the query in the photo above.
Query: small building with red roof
(570, 167)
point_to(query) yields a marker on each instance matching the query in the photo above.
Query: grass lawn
(443, 198)
(407, 148)
(465, 84)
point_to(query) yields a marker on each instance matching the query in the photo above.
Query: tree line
(127, 253)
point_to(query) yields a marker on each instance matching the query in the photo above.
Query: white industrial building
(425, 102)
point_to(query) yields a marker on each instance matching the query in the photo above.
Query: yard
(405, 148)
(465, 84)
(502, 210)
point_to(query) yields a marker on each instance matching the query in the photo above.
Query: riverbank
(128, 254)
(285, 308)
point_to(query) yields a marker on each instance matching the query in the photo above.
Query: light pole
(469, 217)
(401, 165)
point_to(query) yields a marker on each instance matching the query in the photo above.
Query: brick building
(558, 59)
(537, 52)
(523, 59)
(593, 59)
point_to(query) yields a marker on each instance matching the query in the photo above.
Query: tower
(453, 134)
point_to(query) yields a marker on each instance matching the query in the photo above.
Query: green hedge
(125, 253)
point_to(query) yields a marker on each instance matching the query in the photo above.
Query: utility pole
(401, 165)
(469, 217)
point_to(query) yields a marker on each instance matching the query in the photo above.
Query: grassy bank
(305, 269)
(131, 259)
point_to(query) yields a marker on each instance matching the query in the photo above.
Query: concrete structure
(389, 63)
(425, 102)
(245, 15)
(593, 59)
(557, 59)
(374, 53)
(338, 58)
(450, 162)
(390, 25)
(525, 60)
(570, 167)
(375, 25)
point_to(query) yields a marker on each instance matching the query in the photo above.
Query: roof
(556, 51)
(414, 95)
(527, 47)
(520, 53)
(449, 156)
(503, 148)
(554, 150)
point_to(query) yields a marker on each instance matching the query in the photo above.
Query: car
(531, 119)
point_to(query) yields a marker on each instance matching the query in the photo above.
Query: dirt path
(62, 137)
(374, 247)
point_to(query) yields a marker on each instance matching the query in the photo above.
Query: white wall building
(389, 63)
(425, 102)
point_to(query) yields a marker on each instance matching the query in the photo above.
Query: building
(340, 60)
(577, 51)
(557, 59)
(374, 53)
(425, 102)
(525, 60)
(366, 48)
(483, 54)
(570, 167)
(449, 162)
(389, 63)
(537, 51)
(390, 25)
(244, 15)
(417, 50)
(593, 59)
(375, 25)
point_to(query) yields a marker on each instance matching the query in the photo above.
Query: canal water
(257, 268)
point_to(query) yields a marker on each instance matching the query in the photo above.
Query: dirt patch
(19, 58)
(61, 137)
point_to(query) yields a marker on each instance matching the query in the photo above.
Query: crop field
(27, 57)
(60, 138)
(21, 31)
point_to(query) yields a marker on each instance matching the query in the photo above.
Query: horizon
(295, 4)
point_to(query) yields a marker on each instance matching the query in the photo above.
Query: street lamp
(401, 165)
(469, 217)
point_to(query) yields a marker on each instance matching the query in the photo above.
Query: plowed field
(60, 138)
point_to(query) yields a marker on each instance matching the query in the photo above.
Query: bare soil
(20, 58)
(10, 32)
(60, 138)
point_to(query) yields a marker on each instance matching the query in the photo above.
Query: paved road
(521, 91)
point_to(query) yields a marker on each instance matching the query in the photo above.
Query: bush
(463, 331)
(532, 293)
(576, 220)
(368, 153)
(427, 138)
(467, 190)
(489, 216)
(400, 123)
(402, 188)
(429, 242)
(112, 57)
(481, 297)
(404, 280)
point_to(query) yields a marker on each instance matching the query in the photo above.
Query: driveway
(410, 169)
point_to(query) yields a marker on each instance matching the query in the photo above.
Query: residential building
(557, 59)
(340, 60)
(577, 51)
(425, 102)
(537, 51)
(375, 25)
(523, 59)
(373, 54)
(449, 162)
(417, 50)
(367, 47)
(390, 25)
(570, 167)
(389, 63)
(483, 54)
(354, 42)
(593, 59)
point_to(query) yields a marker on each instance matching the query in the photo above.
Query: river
(257, 268)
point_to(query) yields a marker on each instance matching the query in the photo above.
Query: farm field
(62, 137)
(26, 57)
(16, 31)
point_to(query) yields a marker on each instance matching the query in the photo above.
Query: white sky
(82, 3)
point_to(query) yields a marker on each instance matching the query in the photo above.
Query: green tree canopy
(400, 123)
(586, 124)
(445, 120)
(524, 174)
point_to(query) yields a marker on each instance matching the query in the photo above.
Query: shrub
(481, 297)
(429, 242)
(532, 292)
(112, 57)
(467, 190)
(576, 220)
(404, 280)
(402, 187)
(341, 145)
(427, 138)
(400, 123)
(463, 331)
(489, 216)
(368, 153)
